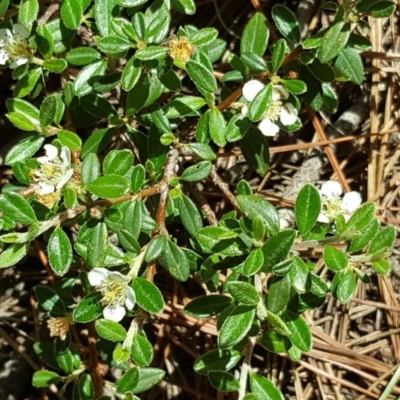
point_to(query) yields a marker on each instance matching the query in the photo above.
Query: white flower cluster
(286, 113)
(334, 204)
(117, 294)
(54, 172)
(14, 46)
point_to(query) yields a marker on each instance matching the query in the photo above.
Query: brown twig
(94, 361)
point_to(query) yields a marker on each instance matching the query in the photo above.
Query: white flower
(286, 113)
(54, 172)
(333, 204)
(117, 294)
(14, 46)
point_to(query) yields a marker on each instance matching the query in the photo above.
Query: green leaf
(98, 244)
(90, 169)
(184, 6)
(85, 387)
(69, 139)
(17, 208)
(50, 300)
(110, 330)
(148, 296)
(156, 247)
(89, 308)
(381, 267)
(237, 128)
(59, 252)
(334, 259)
(350, 65)
(104, 11)
(197, 172)
(253, 263)
(138, 177)
(236, 326)
(175, 261)
(384, 239)
(117, 162)
(48, 110)
(21, 121)
(109, 186)
(202, 150)
(255, 36)
(81, 56)
(97, 141)
(300, 334)
(97, 106)
(307, 208)
(264, 388)
(87, 76)
(217, 360)
(142, 351)
(346, 287)
(26, 84)
(4, 6)
(323, 72)
(28, 11)
(42, 379)
(286, 23)
(71, 13)
(255, 206)
(183, 105)
(223, 381)
(260, 104)
(56, 66)
(294, 86)
(334, 41)
(152, 53)
(277, 323)
(13, 254)
(299, 275)
(243, 293)
(278, 54)
(361, 218)
(133, 218)
(218, 127)
(190, 215)
(254, 62)
(131, 74)
(207, 306)
(128, 241)
(256, 150)
(201, 72)
(203, 37)
(275, 342)
(129, 381)
(148, 377)
(62, 36)
(44, 41)
(278, 294)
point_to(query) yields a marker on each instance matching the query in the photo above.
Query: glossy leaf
(260, 104)
(218, 127)
(255, 35)
(264, 388)
(59, 252)
(117, 162)
(335, 259)
(207, 306)
(197, 172)
(334, 41)
(148, 296)
(349, 65)
(217, 360)
(88, 309)
(223, 381)
(253, 263)
(110, 330)
(278, 294)
(129, 380)
(71, 13)
(384, 239)
(300, 333)
(142, 351)
(346, 288)
(109, 186)
(243, 293)
(286, 22)
(190, 215)
(307, 208)
(17, 208)
(278, 247)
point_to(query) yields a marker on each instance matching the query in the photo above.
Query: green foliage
(122, 193)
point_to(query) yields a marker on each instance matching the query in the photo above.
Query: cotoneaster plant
(114, 214)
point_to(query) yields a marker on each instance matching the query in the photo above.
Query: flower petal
(19, 61)
(118, 277)
(331, 189)
(97, 276)
(288, 114)
(65, 179)
(268, 128)
(3, 57)
(114, 312)
(5, 36)
(21, 31)
(351, 201)
(251, 89)
(323, 218)
(45, 188)
(279, 93)
(245, 111)
(51, 154)
(65, 155)
(130, 298)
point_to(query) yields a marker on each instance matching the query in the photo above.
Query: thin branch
(224, 187)
(246, 366)
(202, 202)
